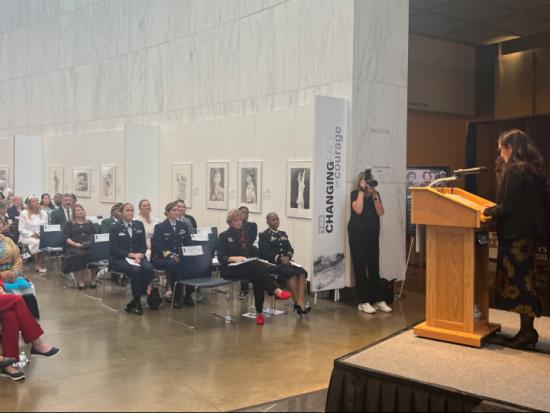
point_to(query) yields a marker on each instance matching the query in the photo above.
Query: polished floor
(121, 362)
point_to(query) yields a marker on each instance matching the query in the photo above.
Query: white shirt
(149, 229)
(29, 226)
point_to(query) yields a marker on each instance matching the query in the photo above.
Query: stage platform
(407, 373)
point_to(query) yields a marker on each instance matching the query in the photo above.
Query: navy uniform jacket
(250, 229)
(274, 245)
(166, 241)
(229, 245)
(122, 244)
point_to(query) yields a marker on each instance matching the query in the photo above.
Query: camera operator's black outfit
(364, 236)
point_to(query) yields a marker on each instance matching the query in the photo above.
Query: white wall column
(28, 170)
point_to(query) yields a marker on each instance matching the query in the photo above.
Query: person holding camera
(364, 235)
(78, 232)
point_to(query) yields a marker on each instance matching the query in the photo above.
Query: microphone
(470, 171)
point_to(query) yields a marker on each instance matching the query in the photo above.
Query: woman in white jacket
(30, 221)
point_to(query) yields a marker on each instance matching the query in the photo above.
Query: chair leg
(170, 319)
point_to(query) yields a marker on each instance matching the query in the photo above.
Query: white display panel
(28, 165)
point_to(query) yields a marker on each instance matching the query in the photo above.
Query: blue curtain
(471, 157)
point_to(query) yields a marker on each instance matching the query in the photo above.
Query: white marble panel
(67, 6)
(34, 112)
(284, 48)
(20, 61)
(22, 13)
(139, 23)
(251, 6)
(157, 84)
(50, 98)
(118, 87)
(49, 46)
(226, 60)
(5, 104)
(138, 73)
(34, 49)
(117, 12)
(66, 33)
(102, 22)
(206, 14)
(342, 40)
(179, 19)
(160, 27)
(100, 99)
(256, 40)
(49, 8)
(5, 56)
(20, 102)
(315, 42)
(84, 81)
(381, 26)
(202, 75)
(178, 72)
(7, 20)
(83, 38)
(66, 96)
(303, 145)
(379, 129)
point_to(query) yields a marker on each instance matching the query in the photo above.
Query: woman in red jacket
(15, 316)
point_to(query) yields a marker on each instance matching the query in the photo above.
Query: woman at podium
(519, 216)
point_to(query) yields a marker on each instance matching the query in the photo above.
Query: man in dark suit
(65, 213)
(128, 249)
(250, 230)
(169, 237)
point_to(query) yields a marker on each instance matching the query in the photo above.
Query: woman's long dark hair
(525, 154)
(42, 200)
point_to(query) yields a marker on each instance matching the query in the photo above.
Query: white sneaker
(367, 308)
(382, 306)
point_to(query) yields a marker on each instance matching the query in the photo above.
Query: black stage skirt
(515, 280)
(76, 259)
(286, 272)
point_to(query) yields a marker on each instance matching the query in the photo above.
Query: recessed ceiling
(479, 22)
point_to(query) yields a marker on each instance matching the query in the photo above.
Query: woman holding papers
(30, 221)
(169, 237)
(235, 253)
(128, 247)
(520, 217)
(276, 248)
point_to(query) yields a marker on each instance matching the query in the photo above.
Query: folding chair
(52, 242)
(197, 265)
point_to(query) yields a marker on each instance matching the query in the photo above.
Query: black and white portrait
(299, 189)
(250, 185)
(82, 182)
(182, 182)
(5, 174)
(56, 179)
(107, 193)
(216, 174)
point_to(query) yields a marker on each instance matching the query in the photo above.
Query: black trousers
(257, 273)
(140, 276)
(365, 255)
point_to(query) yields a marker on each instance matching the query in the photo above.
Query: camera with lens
(373, 183)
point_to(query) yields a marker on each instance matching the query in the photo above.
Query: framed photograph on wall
(5, 174)
(56, 179)
(299, 182)
(249, 185)
(107, 183)
(216, 185)
(82, 182)
(182, 182)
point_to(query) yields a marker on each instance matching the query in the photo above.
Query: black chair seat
(206, 282)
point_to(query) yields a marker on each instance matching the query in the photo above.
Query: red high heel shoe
(260, 319)
(283, 295)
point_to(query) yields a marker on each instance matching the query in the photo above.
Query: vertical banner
(329, 199)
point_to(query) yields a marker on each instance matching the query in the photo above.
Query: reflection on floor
(112, 362)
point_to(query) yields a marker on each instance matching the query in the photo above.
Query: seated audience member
(64, 214)
(183, 218)
(275, 247)
(128, 249)
(116, 216)
(57, 201)
(78, 234)
(30, 221)
(15, 317)
(4, 189)
(233, 248)
(185, 215)
(251, 231)
(47, 205)
(14, 211)
(148, 222)
(11, 272)
(7, 226)
(168, 239)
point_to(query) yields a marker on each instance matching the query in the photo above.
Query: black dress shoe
(137, 309)
(525, 340)
(497, 339)
(19, 375)
(52, 352)
(130, 306)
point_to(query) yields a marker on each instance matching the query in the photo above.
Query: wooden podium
(457, 261)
